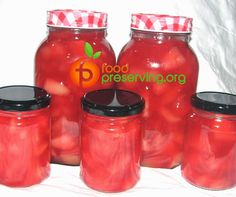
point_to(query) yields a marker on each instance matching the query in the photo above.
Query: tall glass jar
(210, 144)
(161, 67)
(68, 64)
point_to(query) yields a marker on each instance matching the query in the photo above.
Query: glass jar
(111, 139)
(210, 145)
(24, 135)
(162, 68)
(68, 64)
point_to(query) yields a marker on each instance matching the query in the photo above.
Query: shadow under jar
(210, 145)
(163, 69)
(111, 139)
(24, 135)
(68, 64)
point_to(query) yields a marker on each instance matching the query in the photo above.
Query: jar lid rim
(23, 98)
(160, 22)
(73, 18)
(162, 31)
(112, 102)
(216, 102)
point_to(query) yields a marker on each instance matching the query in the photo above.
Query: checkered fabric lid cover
(161, 23)
(77, 19)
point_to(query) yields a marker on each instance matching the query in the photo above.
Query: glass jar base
(210, 188)
(69, 160)
(130, 186)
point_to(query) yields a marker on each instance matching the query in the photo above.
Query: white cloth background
(65, 181)
(23, 27)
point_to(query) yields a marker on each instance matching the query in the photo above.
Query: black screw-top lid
(23, 98)
(112, 102)
(217, 102)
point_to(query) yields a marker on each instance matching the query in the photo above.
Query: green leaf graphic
(97, 54)
(88, 49)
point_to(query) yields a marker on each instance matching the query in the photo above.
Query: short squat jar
(111, 139)
(210, 145)
(24, 135)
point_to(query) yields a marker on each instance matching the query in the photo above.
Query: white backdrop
(23, 27)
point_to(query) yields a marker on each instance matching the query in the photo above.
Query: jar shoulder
(73, 47)
(145, 52)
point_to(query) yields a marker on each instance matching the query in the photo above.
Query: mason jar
(161, 66)
(25, 133)
(111, 139)
(68, 64)
(210, 145)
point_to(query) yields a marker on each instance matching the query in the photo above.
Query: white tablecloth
(65, 181)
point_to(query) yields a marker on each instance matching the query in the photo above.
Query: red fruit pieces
(72, 159)
(154, 140)
(167, 104)
(51, 51)
(65, 142)
(76, 47)
(222, 144)
(56, 88)
(169, 116)
(209, 152)
(53, 63)
(159, 89)
(163, 147)
(176, 109)
(173, 59)
(208, 172)
(24, 148)
(110, 169)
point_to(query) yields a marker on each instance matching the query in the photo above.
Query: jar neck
(213, 115)
(76, 33)
(25, 114)
(159, 36)
(111, 120)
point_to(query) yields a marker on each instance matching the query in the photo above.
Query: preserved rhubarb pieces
(111, 139)
(24, 135)
(159, 65)
(210, 146)
(68, 64)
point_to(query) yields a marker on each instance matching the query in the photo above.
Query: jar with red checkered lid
(163, 69)
(68, 64)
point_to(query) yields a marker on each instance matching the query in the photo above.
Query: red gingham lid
(161, 23)
(77, 19)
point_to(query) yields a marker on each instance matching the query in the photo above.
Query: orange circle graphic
(84, 73)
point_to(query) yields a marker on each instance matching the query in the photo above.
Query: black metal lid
(217, 102)
(111, 102)
(23, 98)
